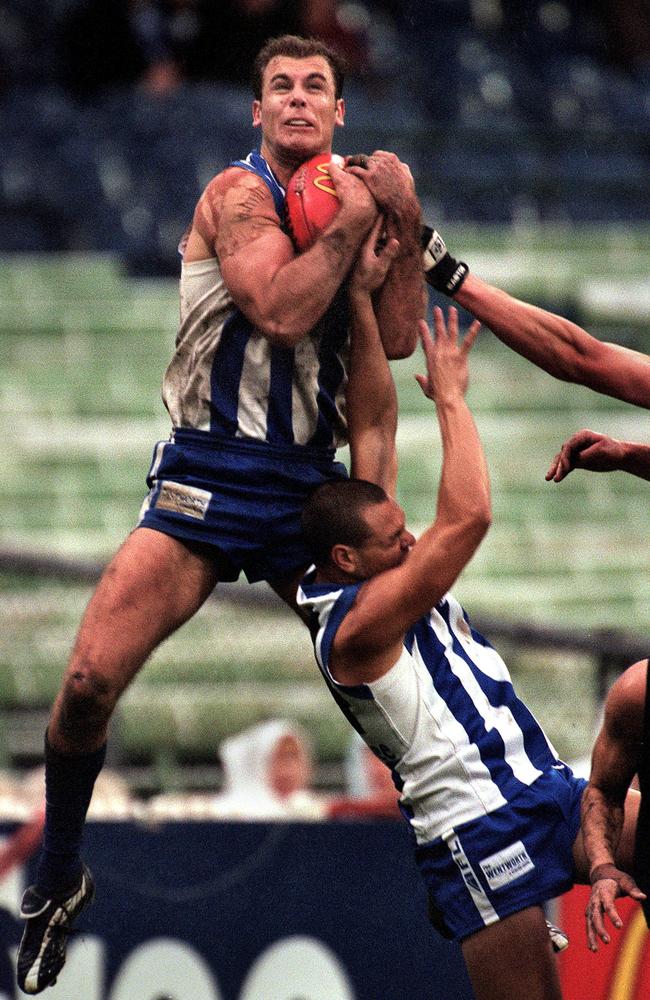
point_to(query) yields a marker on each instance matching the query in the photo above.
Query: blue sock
(69, 782)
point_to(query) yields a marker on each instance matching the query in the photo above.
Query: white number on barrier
(165, 969)
(297, 968)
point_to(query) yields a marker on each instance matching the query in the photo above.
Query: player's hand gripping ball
(311, 201)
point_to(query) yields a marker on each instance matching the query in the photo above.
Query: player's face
(298, 111)
(389, 543)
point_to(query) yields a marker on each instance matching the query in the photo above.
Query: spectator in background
(268, 772)
(370, 789)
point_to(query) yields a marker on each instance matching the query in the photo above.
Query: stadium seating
(76, 449)
(531, 153)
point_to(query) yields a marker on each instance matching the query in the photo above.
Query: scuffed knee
(85, 704)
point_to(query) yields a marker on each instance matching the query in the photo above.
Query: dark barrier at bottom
(248, 911)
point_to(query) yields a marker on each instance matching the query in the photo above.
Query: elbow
(281, 333)
(401, 346)
(478, 524)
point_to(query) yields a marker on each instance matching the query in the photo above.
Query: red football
(311, 200)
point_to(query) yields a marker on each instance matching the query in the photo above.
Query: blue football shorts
(517, 856)
(240, 500)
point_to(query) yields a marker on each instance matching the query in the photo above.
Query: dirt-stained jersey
(226, 378)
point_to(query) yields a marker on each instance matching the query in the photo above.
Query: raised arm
(599, 453)
(388, 603)
(401, 300)
(615, 760)
(283, 294)
(556, 345)
(371, 396)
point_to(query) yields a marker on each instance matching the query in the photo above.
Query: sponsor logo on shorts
(507, 865)
(183, 499)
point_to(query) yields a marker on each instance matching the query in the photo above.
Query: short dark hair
(333, 515)
(296, 47)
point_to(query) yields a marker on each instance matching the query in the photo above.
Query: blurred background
(527, 128)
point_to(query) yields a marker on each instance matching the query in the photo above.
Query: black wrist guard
(442, 271)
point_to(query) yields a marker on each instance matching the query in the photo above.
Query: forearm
(464, 491)
(602, 824)
(301, 291)
(557, 345)
(636, 459)
(371, 400)
(401, 301)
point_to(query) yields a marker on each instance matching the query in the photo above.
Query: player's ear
(344, 557)
(256, 113)
(340, 112)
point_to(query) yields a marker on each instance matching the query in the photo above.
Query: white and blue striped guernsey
(445, 717)
(227, 379)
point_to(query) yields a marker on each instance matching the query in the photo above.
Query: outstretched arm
(614, 761)
(599, 453)
(388, 603)
(556, 345)
(371, 396)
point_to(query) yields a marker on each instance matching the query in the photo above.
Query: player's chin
(304, 145)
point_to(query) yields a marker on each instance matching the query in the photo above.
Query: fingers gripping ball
(311, 199)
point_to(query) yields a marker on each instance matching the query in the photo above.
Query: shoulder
(233, 197)
(625, 703)
(234, 184)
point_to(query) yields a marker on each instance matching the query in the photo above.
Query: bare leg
(513, 959)
(150, 588)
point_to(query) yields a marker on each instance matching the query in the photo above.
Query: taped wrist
(605, 871)
(442, 271)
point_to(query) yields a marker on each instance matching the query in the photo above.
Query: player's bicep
(250, 245)
(613, 764)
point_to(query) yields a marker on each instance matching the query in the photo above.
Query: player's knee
(88, 697)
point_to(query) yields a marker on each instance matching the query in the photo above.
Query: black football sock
(69, 782)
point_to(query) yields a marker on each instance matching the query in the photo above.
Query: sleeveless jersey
(226, 378)
(445, 717)
(642, 843)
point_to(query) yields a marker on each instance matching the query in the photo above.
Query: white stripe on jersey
(432, 722)
(254, 388)
(488, 660)
(304, 392)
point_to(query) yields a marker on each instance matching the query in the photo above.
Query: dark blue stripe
(226, 374)
(336, 616)
(490, 745)
(503, 693)
(279, 427)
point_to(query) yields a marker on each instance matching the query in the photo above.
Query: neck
(330, 573)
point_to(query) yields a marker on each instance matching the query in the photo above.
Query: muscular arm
(401, 300)
(614, 763)
(387, 604)
(284, 295)
(560, 347)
